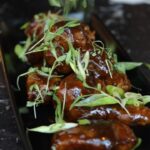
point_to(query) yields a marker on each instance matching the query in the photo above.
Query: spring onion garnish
(68, 5)
(20, 49)
(125, 66)
(114, 95)
(109, 66)
(147, 65)
(139, 141)
(53, 128)
(78, 99)
(53, 147)
(98, 46)
(59, 124)
(115, 91)
(31, 70)
(46, 42)
(38, 100)
(79, 64)
(84, 121)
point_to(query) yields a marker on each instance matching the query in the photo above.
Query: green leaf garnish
(68, 5)
(79, 65)
(24, 26)
(53, 128)
(59, 124)
(146, 99)
(147, 65)
(72, 23)
(19, 51)
(115, 95)
(31, 70)
(125, 66)
(137, 144)
(84, 122)
(115, 91)
(56, 3)
(109, 66)
(136, 99)
(97, 100)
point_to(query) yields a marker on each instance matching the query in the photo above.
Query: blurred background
(127, 20)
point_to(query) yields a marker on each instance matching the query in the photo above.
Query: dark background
(130, 24)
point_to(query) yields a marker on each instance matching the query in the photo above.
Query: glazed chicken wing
(137, 116)
(80, 36)
(73, 67)
(102, 136)
(75, 88)
(41, 83)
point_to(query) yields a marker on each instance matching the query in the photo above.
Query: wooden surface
(9, 137)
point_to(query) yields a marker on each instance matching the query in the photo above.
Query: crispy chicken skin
(41, 81)
(100, 136)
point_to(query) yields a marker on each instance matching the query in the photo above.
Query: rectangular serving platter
(12, 67)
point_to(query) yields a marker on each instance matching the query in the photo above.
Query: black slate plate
(13, 67)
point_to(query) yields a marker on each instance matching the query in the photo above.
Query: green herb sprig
(68, 5)
(114, 95)
(59, 124)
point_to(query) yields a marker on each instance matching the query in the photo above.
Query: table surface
(130, 24)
